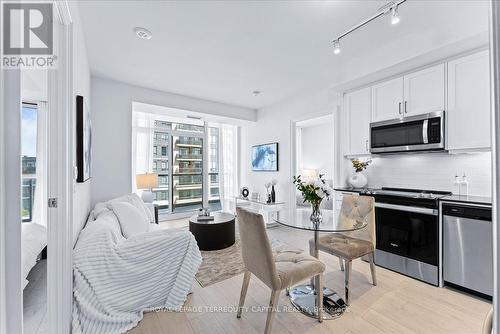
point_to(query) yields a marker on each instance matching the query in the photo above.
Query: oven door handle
(425, 211)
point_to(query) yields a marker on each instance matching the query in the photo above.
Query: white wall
(317, 148)
(81, 86)
(275, 124)
(112, 129)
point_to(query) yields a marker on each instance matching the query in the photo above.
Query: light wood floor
(398, 304)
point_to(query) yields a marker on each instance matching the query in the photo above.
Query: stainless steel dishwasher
(468, 247)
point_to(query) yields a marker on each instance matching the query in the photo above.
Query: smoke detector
(143, 33)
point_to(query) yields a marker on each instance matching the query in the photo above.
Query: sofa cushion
(137, 202)
(132, 220)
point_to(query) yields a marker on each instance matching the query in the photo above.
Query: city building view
(178, 159)
(28, 160)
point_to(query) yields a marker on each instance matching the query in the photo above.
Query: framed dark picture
(265, 157)
(83, 140)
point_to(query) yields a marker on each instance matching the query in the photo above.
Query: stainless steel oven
(415, 133)
(407, 232)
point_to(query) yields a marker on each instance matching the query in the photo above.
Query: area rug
(220, 265)
(223, 264)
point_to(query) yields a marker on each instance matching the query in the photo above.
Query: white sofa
(118, 277)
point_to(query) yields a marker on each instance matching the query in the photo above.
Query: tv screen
(265, 157)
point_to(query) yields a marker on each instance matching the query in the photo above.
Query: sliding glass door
(188, 172)
(187, 165)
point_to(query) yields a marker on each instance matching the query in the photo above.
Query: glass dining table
(303, 297)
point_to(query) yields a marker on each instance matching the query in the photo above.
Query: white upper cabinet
(468, 114)
(358, 114)
(424, 91)
(415, 93)
(387, 100)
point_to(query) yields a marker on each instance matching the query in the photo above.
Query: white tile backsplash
(433, 171)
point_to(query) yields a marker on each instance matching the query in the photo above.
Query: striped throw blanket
(117, 279)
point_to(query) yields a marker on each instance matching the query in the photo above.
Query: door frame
(11, 309)
(61, 177)
(494, 26)
(59, 235)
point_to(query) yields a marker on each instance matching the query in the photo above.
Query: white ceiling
(224, 50)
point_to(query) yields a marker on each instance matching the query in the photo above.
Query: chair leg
(273, 303)
(341, 262)
(319, 296)
(347, 274)
(372, 268)
(244, 288)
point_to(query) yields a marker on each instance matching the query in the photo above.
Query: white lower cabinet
(468, 114)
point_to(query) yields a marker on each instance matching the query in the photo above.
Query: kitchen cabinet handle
(399, 108)
(406, 110)
(366, 145)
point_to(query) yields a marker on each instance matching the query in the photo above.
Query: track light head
(395, 15)
(336, 46)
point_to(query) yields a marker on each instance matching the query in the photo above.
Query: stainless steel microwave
(414, 133)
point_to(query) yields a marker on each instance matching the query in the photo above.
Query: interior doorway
(313, 152)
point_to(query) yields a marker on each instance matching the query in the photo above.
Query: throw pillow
(132, 220)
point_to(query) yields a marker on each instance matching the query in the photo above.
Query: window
(178, 159)
(28, 161)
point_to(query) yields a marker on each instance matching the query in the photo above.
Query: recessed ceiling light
(143, 33)
(256, 92)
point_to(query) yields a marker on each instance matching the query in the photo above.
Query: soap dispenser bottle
(456, 183)
(465, 185)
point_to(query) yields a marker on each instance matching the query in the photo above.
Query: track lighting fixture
(395, 15)
(390, 7)
(336, 46)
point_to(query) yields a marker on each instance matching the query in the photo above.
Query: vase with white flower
(358, 179)
(314, 192)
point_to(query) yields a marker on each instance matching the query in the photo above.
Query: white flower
(320, 193)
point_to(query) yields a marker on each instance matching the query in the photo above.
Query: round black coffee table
(213, 234)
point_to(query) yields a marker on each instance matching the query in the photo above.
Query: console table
(267, 210)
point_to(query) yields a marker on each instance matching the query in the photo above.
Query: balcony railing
(189, 156)
(27, 196)
(189, 142)
(187, 170)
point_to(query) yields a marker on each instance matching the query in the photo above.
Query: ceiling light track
(391, 7)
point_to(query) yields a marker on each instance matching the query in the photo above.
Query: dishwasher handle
(471, 212)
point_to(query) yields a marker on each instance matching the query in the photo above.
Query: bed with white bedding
(33, 241)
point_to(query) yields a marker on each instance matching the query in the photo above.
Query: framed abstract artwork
(83, 140)
(265, 157)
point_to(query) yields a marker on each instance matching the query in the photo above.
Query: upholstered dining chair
(279, 271)
(352, 245)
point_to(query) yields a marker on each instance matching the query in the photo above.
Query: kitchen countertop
(349, 189)
(467, 199)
